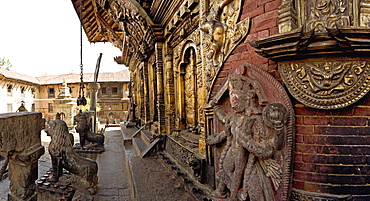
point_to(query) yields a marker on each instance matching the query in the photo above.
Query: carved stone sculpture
(253, 132)
(84, 129)
(63, 155)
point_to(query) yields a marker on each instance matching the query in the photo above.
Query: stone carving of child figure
(246, 167)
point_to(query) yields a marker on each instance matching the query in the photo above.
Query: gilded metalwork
(287, 16)
(221, 34)
(322, 14)
(364, 10)
(327, 84)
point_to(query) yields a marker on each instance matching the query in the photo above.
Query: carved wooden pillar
(160, 86)
(201, 111)
(20, 139)
(193, 81)
(170, 92)
(140, 90)
(180, 88)
(146, 92)
(209, 130)
(131, 115)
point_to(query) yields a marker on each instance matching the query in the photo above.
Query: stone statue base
(88, 149)
(49, 191)
(64, 189)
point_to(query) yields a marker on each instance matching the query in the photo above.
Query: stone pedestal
(54, 191)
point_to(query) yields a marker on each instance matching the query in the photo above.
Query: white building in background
(15, 88)
(39, 93)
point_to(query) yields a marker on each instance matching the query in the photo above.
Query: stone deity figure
(246, 169)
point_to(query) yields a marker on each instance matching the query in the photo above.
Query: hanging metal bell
(81, 100)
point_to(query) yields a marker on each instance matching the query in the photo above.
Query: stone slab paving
(113, 183)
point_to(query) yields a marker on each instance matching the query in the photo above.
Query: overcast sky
(42, 37)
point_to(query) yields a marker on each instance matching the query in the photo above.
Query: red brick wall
(264, 22)
(332, 147)
(332, 150)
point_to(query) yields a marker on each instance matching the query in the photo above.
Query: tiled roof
(10, 74)
(120, 76)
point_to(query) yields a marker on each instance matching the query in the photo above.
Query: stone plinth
(67, 111)
(20, 140)
(54, 191)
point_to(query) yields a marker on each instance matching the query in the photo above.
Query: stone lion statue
(84, 129)
(84, 171)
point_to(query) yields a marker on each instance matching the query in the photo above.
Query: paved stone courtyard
(112, 174)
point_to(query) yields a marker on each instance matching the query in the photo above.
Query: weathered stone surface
(256, 126)
(20, 141)
(83, 171)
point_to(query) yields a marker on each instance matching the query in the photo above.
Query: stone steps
(149, 177)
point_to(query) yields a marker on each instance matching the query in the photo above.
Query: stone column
(93, 88)
(20, 141)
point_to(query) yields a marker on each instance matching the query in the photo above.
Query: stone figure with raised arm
(253, 130)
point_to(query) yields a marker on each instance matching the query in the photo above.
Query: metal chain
(81, 99)
(81, 65)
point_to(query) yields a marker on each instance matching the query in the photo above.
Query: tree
(86, 107)
(5, 63)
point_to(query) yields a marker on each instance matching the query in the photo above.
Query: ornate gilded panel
(327, 83)
(321, 14)
(190, 91)
(221, 33)
(186, 56)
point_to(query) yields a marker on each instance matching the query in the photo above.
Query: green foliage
(86, 107)
(5, 63)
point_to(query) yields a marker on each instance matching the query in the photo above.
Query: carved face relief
(326, 84)
(327, 78)
(237, 100)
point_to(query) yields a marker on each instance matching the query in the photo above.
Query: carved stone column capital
(93, 87)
